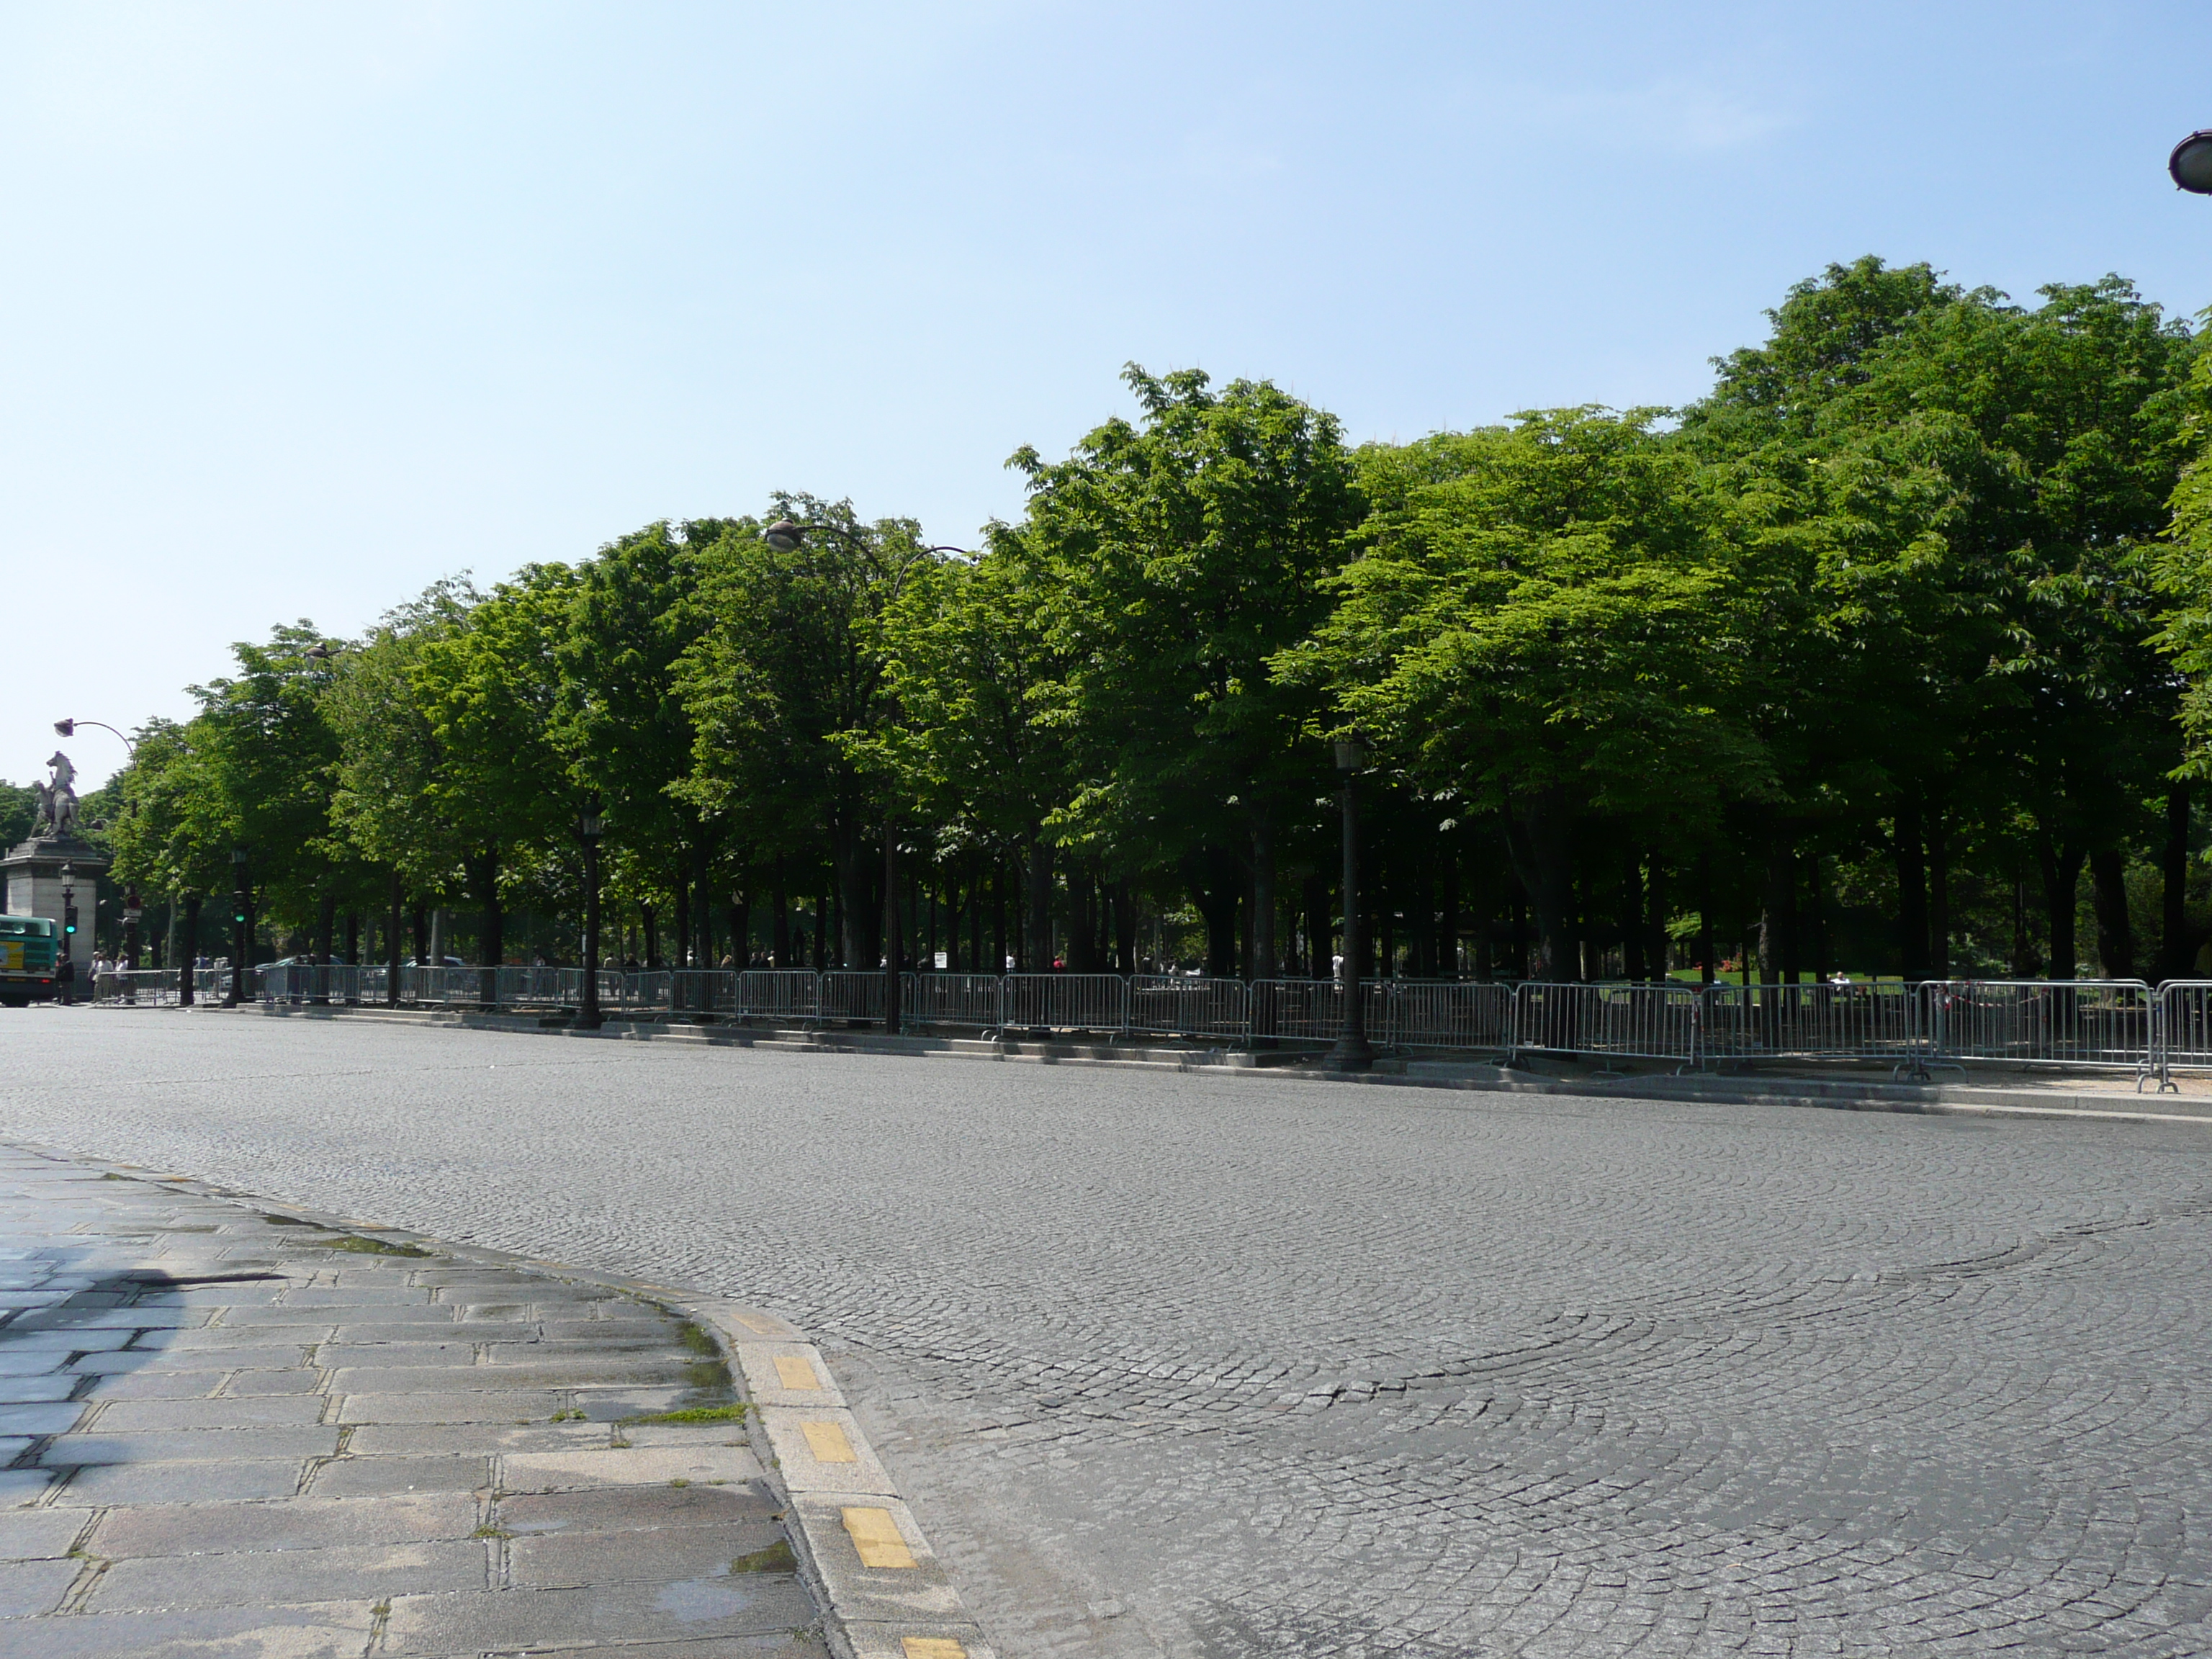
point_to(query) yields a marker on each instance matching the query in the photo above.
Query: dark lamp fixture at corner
(1351, 755)
(589, 826)
(2191, 164)
(784, 536)
(67, 728)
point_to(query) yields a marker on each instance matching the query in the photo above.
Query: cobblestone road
(1228, 1366)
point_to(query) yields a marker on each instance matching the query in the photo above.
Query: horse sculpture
(57, 800)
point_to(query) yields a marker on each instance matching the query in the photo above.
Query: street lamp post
(242, 928)
(1353, 1052)
(588, 830)
(66, 972)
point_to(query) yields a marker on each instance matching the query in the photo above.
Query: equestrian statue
(57, 800)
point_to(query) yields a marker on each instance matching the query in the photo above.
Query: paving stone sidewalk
(229, 1433)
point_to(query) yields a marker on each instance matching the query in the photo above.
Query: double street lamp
(131, 909)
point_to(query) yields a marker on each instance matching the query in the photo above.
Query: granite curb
(848, 1523)
(1932, 1100)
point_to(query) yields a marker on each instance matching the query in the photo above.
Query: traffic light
(69, 919)
(238, 913)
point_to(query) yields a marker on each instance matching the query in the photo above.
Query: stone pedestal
(33, 874)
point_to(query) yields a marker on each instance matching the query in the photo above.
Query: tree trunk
(1708, 962)
(1125, 929)
(2024, 963)
(2062, 879)
(1263, 963)
(1320, 936)
(703, 925)
(999, 918)
(186, 989)
(1909, 848)
(856, 890)
(1631, 917)
(649, 924)
(1777, 914)
(739, 920)
(779, 900)
(1816, 920)
(1655, 917)
(2108, 895)
(680, 914)
(1939, 893)
(1539, 842)
(491, 945)
(1448, 925)
(2177, 949)
(326, 922)
(1036, 871)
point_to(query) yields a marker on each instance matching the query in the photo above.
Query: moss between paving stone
(733, 1412)
(363, 1246)
(777, 1558)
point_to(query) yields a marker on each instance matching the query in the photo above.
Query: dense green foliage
(1903, 625)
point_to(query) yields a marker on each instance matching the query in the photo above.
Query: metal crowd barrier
(953, 999)
(1444, 1013)
(851, 993)
(2185, 1028)
(778, 994)
(1183, 1004)
(2074, 1022)
(1064, 1002)
(2117, 1023)
(1626, 1022)
(1869, 1022)
(149, 988)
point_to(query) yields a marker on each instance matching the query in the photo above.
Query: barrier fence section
(2119, 1023)
(852, 993)
(1064, 1002)
(1628, 1022)
(1871, 1022)
(2086, 1022)
(150, 988)
(949, 998)
(1179, 1004)
(778, 994)
(1444, 1013)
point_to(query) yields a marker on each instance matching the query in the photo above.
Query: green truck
(29, 948)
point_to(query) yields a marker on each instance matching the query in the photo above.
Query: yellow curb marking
(762, 1326)
(794, 1370)
(828, 1443)
(876, 1535)
(932, 1647)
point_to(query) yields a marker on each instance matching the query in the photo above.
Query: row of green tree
(1863, 659)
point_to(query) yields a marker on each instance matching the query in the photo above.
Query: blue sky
(307, 305)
